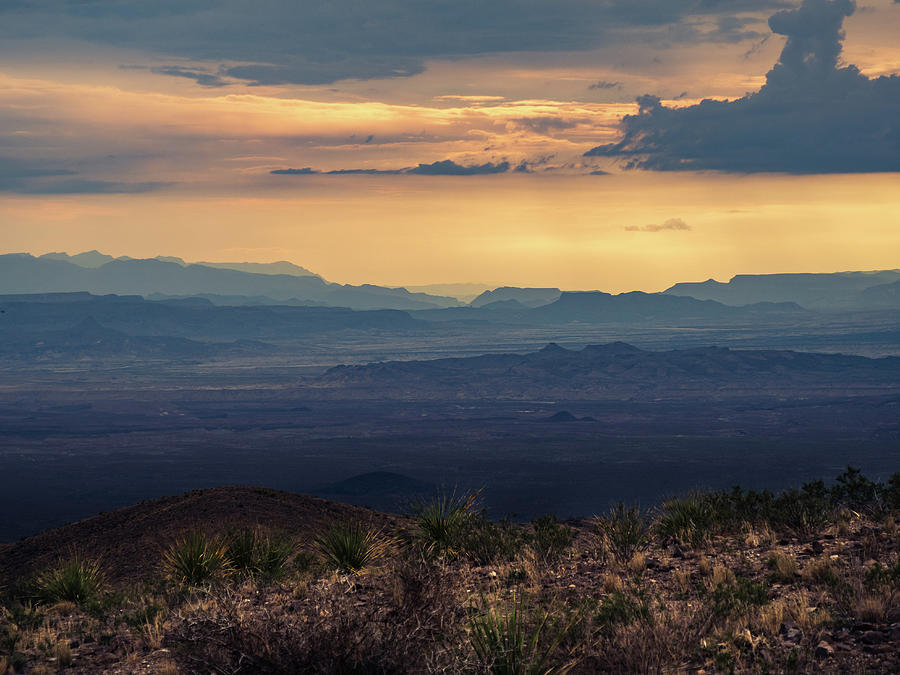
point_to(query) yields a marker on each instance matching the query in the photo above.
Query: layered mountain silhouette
(837, 291)
(527, 297)
(613, 371)
(23, 273)
(76, 324)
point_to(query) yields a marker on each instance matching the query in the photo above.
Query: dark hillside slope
(125, 539)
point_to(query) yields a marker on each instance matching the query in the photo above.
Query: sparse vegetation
(719, 582)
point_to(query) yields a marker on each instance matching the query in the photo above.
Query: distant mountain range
(23, 273)
(837, 291)
(613, 371)
(596, 307)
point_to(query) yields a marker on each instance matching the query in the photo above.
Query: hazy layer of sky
(155, 128)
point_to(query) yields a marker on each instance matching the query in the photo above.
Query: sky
(583, 144)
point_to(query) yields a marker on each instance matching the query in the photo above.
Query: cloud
(603, 84)
(446, 167)
(811, 116)
(97, 187)
(673, 224)
(202, 78)
(323, 41)
(546, 125)
(305, 171)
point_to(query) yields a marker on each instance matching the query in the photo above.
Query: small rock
(872, 637)
(824, 650)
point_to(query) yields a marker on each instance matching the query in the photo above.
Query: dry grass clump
(783, 567)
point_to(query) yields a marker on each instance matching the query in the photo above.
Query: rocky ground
(706, 584)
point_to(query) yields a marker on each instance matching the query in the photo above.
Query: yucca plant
(441, 520)
(515, 641)
(350, 548)
(76, 580)
(196, 560)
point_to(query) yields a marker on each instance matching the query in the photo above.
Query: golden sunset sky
(154, 129)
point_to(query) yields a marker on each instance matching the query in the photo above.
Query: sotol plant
(350, 548)
(441, 521)
(76, 580)
(196, 560)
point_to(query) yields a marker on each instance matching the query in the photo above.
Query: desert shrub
(254, 554)
(803, 512)
(892, 492)
(550, 538)
(623, 532)
(485, 542)
(350, 548)
(76, 580)
(855, 491)
(441, 520)
(196, 560)
(689, 520)
(516, 640)
(621, 608)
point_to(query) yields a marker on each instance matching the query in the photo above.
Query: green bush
(196, 560)
(550, 537)
(621, 608)
(349, 547)
(515, 641)
(623, 531)
(76, 580)
(485, 542)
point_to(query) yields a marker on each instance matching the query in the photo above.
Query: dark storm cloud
(811, 116)
(444, 167)
(322, 41)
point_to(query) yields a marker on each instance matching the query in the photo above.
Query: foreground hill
(130, 538)
(614, 370)
(23, 273)
(807, 580)
(840, 290)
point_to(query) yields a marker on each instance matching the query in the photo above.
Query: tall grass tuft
(196, 560)
(515, 641)
(442, 520)
(350, 548)
(623, 532)
(76, 580)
